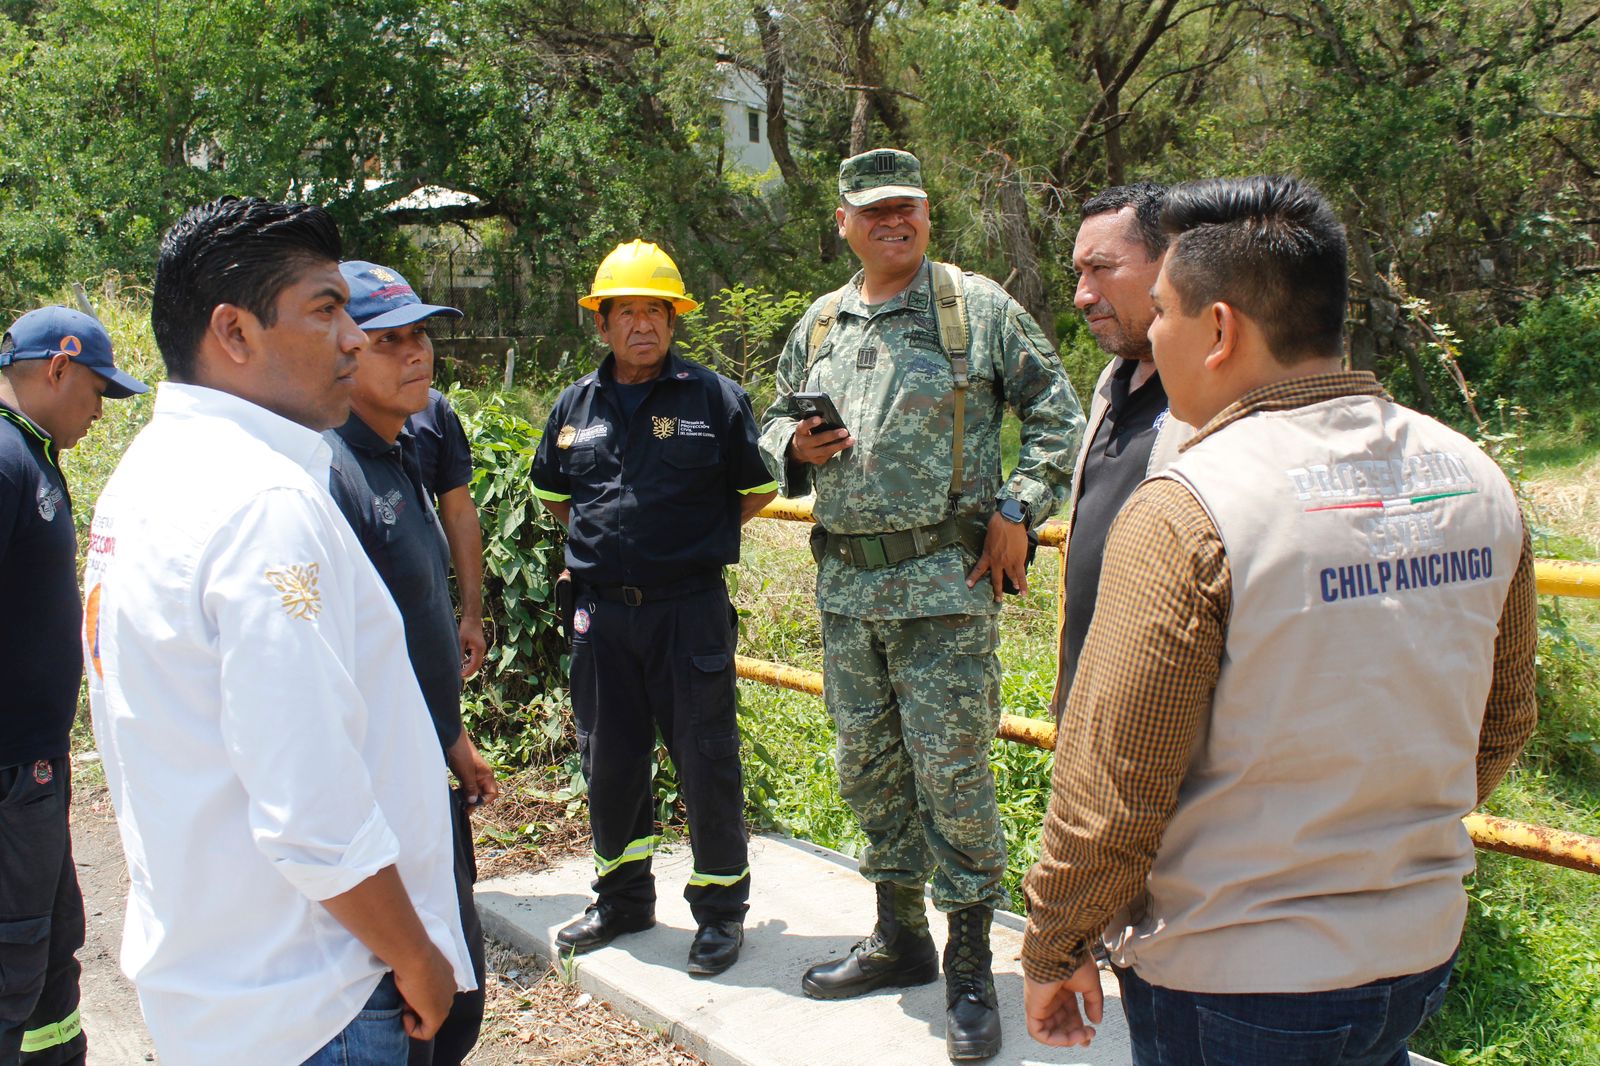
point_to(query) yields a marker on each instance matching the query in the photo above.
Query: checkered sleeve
(1512, 709)
(1143, 688)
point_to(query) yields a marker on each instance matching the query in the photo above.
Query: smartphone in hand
(818, 404)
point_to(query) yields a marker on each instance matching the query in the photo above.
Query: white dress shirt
(264, 738)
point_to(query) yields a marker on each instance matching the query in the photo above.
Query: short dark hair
(1146, 198)
(1270, 246)
(232, 251)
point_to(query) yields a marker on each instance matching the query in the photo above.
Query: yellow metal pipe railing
(1554, 578)
(1556, 846)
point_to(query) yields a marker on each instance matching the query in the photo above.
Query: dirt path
(532, 1016)
(110, 1007)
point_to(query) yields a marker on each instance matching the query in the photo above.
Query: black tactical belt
(634, 595)
(874, 550)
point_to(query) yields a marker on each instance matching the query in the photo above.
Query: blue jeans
(1364, 1026)
(375, 1038)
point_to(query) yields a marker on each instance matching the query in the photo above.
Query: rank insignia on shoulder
(567, 436)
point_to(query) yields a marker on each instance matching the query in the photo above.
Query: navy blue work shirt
(656, 496)
(378, 487)
(442, 449)
(41, 657)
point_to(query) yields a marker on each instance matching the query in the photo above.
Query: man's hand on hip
(1052, 1007)
(1005, 554)
(817, 448)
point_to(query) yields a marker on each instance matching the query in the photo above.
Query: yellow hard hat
(639, 268)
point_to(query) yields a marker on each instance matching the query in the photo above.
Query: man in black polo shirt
(651, 462)
(377, 483)
(55, 368)
(1129, 433)
(446, 462)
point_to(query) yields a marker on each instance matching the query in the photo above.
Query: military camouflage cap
(880, 174)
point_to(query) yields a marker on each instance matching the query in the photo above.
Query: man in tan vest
(1312, 655)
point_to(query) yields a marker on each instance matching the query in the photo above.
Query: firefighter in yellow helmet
(651, 461)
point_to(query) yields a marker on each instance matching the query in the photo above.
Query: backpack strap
(819, 331)
(950, 305)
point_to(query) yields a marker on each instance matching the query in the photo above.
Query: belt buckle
(632, 595)
(872, 553)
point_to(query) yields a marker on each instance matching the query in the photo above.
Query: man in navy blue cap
(55, 368)
(380, 299)
(377, 482)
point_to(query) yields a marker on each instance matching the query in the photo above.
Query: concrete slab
(809, 904)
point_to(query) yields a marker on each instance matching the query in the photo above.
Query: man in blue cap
(55, 368)
(377, 482)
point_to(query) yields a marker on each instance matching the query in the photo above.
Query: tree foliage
(1460, 141)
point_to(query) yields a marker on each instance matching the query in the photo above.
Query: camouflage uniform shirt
(888, 374)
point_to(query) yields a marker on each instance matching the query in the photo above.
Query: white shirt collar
(304, 446)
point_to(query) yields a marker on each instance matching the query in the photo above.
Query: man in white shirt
(265, 740)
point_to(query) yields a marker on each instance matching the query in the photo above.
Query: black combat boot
(898, 954)
(972, 1013)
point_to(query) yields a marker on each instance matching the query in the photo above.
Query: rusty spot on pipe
(1558, 578)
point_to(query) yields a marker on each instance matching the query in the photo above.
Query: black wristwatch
(1012, 510)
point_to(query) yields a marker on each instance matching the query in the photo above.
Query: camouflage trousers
(916, 702)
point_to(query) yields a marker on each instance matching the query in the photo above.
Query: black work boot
(898, 954)
(972, 1012)
(600, 925)
(716, 946)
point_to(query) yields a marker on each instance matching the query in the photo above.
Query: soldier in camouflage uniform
(912, 559)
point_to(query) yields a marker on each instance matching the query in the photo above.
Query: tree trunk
(1364, 333)
(1017, 235)
(774, 78)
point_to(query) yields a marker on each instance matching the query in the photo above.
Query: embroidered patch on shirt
(388, 506)
(663, 427)
(567, 435)
(694, 427)
(866, 358)
(298, 585)
(50, 500)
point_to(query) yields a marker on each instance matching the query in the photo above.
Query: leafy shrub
(517, 708)
(740, 332)
(1547, 360)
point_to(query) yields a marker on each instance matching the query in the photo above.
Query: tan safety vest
(1317, 842)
